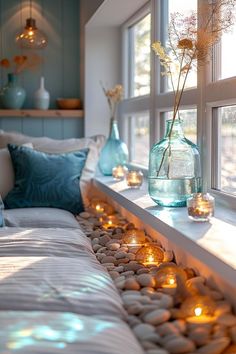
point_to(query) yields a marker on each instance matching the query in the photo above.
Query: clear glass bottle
(174, 168)
(114, 152)
(1, 213)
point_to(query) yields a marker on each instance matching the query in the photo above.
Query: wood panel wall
(60, 65)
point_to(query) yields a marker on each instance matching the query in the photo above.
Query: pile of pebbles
(153, 315)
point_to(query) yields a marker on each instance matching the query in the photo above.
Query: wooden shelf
(38, 113)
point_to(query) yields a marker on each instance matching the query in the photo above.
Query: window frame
(209, 94)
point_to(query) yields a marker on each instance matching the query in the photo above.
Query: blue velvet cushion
(46, 180)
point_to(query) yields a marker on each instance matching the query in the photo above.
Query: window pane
(139, 142)
(140, 57)
(189, 117)
(227, 158)
(228, 54)
(186, 8)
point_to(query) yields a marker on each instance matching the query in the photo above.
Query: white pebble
(227, 319)
(113, 246)
(142, 330)
(128, 273)
(132, 284)
(95, 241)
(233, 334)
(157, 351)
(108, 259)
(134, 309)
(167, 328)
(96, 247)
(180, 325)
(84, 215)
(133, 320)
(166, 301)
(119, 269)
(157, 317)
(200, 336)
(104, 239)
(180, 345)
(168, 256)
(146, 280)
(120, 255)
(131, 256)
(216, 346)
(147, 291)
(114, 275)
(142, 271)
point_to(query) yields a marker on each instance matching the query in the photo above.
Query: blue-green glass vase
(114, 152)
(174, 168)
(12, 95)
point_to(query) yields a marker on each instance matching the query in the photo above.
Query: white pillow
(49, 145)
(7, 176)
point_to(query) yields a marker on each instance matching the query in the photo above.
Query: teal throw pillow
(46, 180)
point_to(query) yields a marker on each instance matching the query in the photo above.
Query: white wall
(102, 59)
(102, 56)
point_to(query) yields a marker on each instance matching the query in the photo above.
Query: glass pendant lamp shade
(31, 36)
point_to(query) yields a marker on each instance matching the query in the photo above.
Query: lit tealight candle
(119, 172)
(99, 209)
(110, 221)
(134, 238)
(134, 179)
(200, 318)
(170, 282)
(200, 207)
(150, 255)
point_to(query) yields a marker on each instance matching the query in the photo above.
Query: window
(139, 145)
(140, 41)
(208, 105)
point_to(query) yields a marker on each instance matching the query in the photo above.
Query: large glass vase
(114, 152)
(174, 168)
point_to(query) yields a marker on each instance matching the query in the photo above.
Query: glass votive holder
(134, 179)
(119, 172)
(201, 207)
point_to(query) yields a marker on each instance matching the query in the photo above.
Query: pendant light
(31, 37)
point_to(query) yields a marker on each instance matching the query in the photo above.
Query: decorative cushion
(46, 180)
(94, 144)
(40, 217)
(7, 177)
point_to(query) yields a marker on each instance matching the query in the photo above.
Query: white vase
(41, 96)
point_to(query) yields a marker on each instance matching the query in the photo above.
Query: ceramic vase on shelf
(41, 97)
(12, 95)
(114, 152)
(174, 168)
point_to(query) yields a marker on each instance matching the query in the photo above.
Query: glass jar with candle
(150, 255)
(119, 172)
(134, 179)
(134, 238)
(201, 207)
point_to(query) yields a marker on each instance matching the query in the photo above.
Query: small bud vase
(114, 152)
(12, 95)
(174, 168)
(41, 97)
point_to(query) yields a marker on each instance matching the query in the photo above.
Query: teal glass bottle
(12, 95)
(114, 152)
(174, 168)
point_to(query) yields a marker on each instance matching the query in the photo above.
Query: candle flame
(198, 311)
(133, 240)
(150, 258)
(98, 207)
(172, 281)
(109, 222)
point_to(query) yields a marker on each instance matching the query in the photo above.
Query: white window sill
(213, 243)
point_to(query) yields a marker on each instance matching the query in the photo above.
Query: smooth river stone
(95, 234)
(166, 301)
(134, 309)
(100, 256)
(143, 330)
(157, 317)
(131, 256)
(227, 319)
(114, 275)
(147, 291)
(104, 239)
(200, 336)
(168, 256)
(132, 284)
(102, 249)
(180, 325)
(146, 280)
(96, 247)
(157, 351)
(119, 269)
(142, 271)
(128, 273)
(133, 320)
(95, 241)
(122, 261)
(217, 346)
(133, 266)
(113, 246)
(167, 328)
(222, 307)
(85, 215)
(232, 332)
(180, 345)
(108, 259)
(120, 255)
